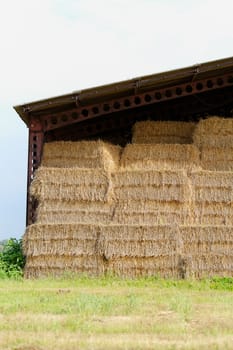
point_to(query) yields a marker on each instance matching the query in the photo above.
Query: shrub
(12, 260)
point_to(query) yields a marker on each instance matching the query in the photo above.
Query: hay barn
(133, 178)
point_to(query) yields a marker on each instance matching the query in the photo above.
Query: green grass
(111, 313)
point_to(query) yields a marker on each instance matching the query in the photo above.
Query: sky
(54, 47)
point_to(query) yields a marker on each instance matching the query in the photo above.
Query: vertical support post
(35, 147)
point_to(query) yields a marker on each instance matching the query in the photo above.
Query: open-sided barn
(133, 178)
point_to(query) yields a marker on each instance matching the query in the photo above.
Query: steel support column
(35, 146)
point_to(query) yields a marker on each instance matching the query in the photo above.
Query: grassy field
(109, 313)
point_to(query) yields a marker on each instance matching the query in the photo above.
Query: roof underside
(128, 88)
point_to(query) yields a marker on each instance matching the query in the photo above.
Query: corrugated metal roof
(127, 87)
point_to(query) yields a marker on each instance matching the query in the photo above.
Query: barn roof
(140, 86)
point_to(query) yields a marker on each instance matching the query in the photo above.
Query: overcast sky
(53, 47)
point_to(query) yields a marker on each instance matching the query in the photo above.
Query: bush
(12, 260)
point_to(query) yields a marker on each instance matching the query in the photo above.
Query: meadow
(112, 313)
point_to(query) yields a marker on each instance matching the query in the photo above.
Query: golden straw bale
(208, 250)
(213, 213)
(70, 184)
(153, 193)
(214, 131)
(171, 132)
(51, 211)
(152, 218)
(73, 176)
(154, 185)
(212, 186)
(143, 212)
(147, 206)
(217, 158)
(138, 241)
(82, 154)
(87, 217)
(39, 236)
(216, 179)
(165, 266)
(124, 178)
(52, 265)
(160, 157)
(73, 206)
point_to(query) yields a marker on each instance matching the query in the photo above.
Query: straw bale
(145, 206)
(217, 158)
(213, 213)
(209, 194)
(154, 177)
(74, 206)
(39, 237)
(73, 176)
(203, 239)
(74, 211)
(153, 193)
(214, 131)
(208, 250)
(58, 216)
(160, 157)
(143, 212)
(152, 218)
(47, 265)
(170, 132)
(70, 184)
(138, 241)
(212, 186)
(165, 266)
(212, 179)
(83, 154)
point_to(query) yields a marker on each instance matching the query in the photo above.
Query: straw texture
(83, 154)
(154, 209)
(164, 157)
(70, 184)
(208, 250)
(163, 132)
(214, 137)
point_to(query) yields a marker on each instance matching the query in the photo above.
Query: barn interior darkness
(117, 127)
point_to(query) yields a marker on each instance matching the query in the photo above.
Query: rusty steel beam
(35, 146)
(83, 113)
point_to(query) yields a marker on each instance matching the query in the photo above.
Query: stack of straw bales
(152, 185)
(151, 197)
(74, 192)
(162, 132)
(133, 250)
(149, 210)
(214, 137)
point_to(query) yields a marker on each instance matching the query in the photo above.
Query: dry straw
(71, 184)
(47, 265)
(212, 186)
(138, 241)
(208, 250)
(215, 132)
(162, 132)
(160, 157)
(165, 266)
(83, 154)
(136, 220)
(79, 216)
(217, 158)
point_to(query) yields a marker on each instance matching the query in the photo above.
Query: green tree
(12, 260)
